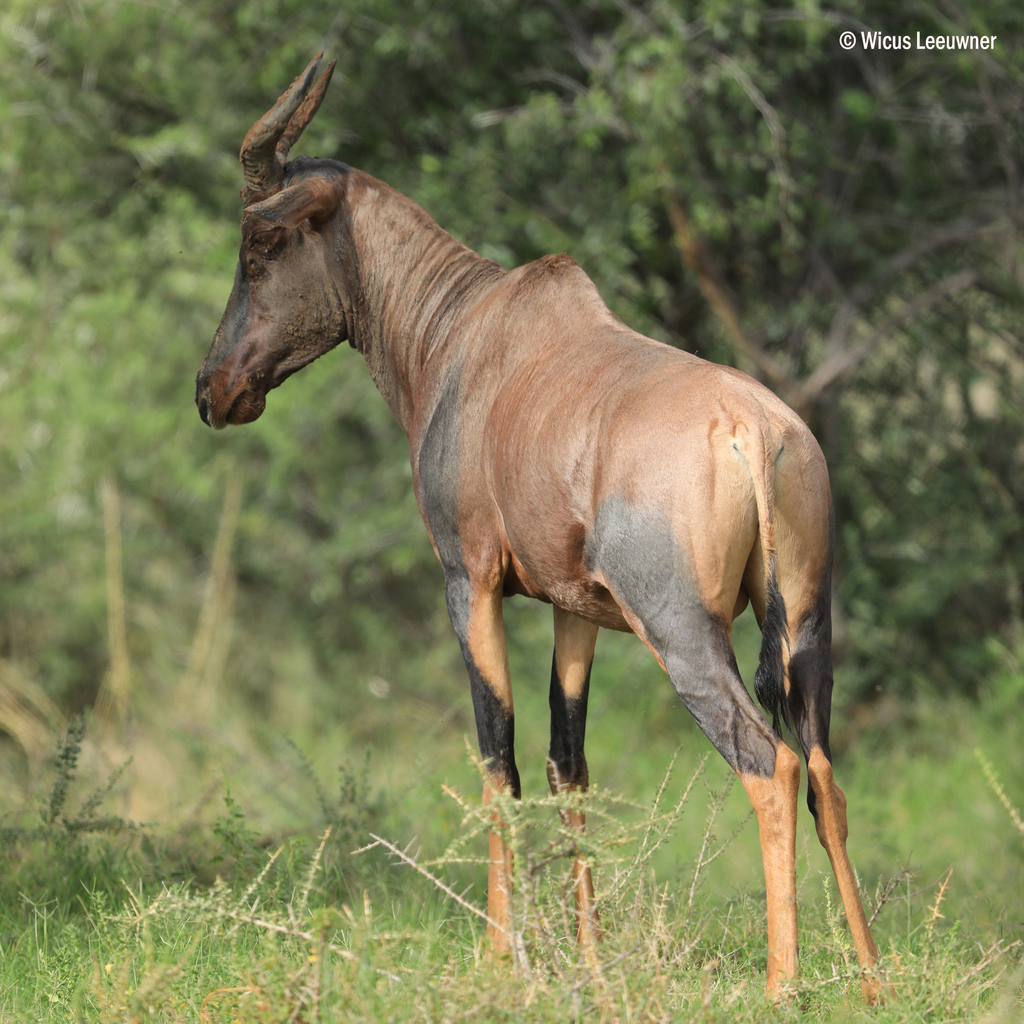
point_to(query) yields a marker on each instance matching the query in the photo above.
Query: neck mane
(414, 284)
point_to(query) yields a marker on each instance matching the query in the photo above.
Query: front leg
(475, 611)
(575, 639)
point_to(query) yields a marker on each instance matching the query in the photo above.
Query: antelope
(558, 454)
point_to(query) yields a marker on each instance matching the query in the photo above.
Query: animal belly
(575, 592)
(598, 607)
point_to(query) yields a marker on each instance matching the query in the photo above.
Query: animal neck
(415, 282)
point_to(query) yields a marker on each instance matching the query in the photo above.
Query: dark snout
(203, 403)
(232, 384)
(233, 394)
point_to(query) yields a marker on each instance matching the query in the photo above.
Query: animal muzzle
(227, 398)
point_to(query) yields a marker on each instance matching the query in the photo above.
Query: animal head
(286, 307)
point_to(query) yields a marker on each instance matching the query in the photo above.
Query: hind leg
(701, 664)
(712, 690)
(567, 765)
(830, 823)
(774, 801)
(652, 578)
(810, 700)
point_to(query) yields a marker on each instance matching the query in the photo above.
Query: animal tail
(769, 680)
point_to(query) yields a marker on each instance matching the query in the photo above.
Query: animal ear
(310, 197)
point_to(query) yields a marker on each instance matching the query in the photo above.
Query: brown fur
(558, 454)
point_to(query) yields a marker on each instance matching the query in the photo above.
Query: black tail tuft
(768, 680)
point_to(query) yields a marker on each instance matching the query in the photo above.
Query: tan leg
(830, 821)
(575, 639)
(775, 802)
(588, 923)
(499, 886)
(475, 611)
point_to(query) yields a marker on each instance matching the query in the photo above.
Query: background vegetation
(844, 225)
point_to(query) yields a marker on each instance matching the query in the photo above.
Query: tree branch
(959, 230)
(693, 259)
(846, 359)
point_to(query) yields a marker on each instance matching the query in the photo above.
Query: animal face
(284, 309)
(287, 305)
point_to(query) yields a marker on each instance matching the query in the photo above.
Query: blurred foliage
(843, 225)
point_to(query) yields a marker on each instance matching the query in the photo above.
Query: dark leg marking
(568, 731)
(495, 724)
(808, 705)
(495, 729)
(769, 679)
(567, 763)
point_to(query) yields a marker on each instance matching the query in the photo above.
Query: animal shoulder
(559, 278)
(557, 269)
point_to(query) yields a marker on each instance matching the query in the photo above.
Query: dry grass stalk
(993, 781)
(27, 714)
(709, 838)
(885, 893)
(31, 693)
(115, 691)
(204, 1017)
(258, 881)
(24, 727)
(433, 879)
(212, 639)
(937, 914)
(311, 874)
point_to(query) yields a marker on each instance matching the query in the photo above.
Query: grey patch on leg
(438, 463)
(456, 593)
(439, 466)
(638, 554)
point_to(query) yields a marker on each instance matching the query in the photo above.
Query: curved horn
(309, 106)
(257, 156)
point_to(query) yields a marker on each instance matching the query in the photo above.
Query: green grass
(250, 905)
(190, 865)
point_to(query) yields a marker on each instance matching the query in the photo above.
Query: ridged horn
(260, 162)
(307, 109)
